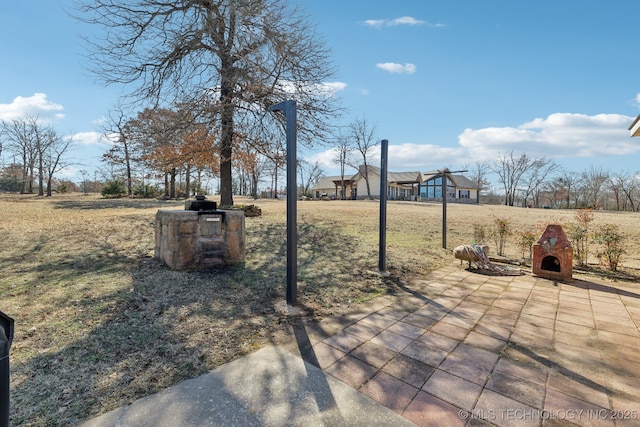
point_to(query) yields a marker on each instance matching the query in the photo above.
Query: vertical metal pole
(383, 206)
(292, 204)
(289, 110)
(6, 337)
(444, 210)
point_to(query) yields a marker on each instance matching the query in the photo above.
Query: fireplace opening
(550, 263)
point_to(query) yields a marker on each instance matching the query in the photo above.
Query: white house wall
(374, 185)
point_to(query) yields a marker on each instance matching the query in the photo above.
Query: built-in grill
(201, 204)
(201, 236)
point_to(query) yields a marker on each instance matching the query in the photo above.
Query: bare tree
(343, 151)
(230, 59)
(41, 150)
(625, 186)
(510, 171)
(592, 182)
(535, 176)
(309, 175)
(363, 134)
(116, 128)
(53, 157)
(20, 140)
(479, 171)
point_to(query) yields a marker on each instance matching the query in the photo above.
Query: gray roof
(329, 182)
(404, 177)
(460, 181)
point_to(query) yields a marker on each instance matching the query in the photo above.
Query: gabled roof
(635, 127)
(331, 182)
(404, 177)
(397, 177)
(326, 182)
(460, 181)
(463, 182)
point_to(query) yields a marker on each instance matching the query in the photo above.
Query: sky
(447, 83)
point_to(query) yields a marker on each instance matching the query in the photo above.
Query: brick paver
(460, 348)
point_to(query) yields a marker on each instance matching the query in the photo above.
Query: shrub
(501, 230)
(114, 188)
(479, 233)
(613, 245)
(579, 235)
(145, 190)
(525, 240)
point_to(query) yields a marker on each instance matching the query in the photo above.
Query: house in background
(331, 187)
(400, 186)
(459, 188)
(634, 129)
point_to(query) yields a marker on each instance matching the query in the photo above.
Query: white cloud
(403, 20)
(91, 138)
(376, 23)
(394, 68)
(36, 105)
(332, 88)
(326, 90)
(560, 135)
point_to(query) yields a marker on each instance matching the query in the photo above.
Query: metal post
(6, 337)
(289, 110)
(383, 206)
(444, 209)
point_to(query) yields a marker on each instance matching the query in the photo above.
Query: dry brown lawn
(100, 323)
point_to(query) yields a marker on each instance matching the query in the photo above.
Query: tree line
(540, 182)
(36, 152)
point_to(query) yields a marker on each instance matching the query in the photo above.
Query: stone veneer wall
(186, 240)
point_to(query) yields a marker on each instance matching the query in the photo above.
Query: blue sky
(446, 82)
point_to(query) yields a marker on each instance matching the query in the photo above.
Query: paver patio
(461, 348)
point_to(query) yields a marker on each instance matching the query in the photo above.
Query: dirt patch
(100, 323)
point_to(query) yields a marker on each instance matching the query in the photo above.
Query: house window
(432, 189)
(465, 194)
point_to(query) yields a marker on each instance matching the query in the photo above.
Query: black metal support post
(6, 337)
(444, 208)
(383, 206)
(289, 110)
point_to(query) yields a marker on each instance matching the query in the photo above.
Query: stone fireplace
(553, 255)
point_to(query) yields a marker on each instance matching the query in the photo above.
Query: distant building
(635, 127)
(414, 185)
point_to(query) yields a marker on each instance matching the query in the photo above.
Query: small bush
(114, 188)
(525, 240)
(145, 190)
(479, 233)
(500, 231)
(613, 245)
(579, 235)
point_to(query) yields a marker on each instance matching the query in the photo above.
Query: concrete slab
(270, 387)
